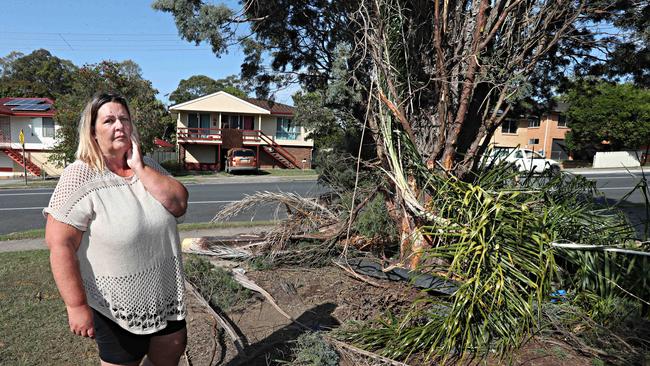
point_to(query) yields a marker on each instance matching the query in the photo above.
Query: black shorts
(117, 345)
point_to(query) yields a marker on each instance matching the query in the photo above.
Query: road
(616, 185)
(20, 209)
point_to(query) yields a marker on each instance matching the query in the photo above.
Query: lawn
(33, 322)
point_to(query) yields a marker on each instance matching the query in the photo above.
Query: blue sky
(89, 31)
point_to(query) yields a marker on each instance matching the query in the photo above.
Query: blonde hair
(88, 150)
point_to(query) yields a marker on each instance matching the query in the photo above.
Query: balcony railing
(252, 136)
(215, 135)
(202, 134)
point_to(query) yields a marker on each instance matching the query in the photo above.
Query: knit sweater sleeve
(70, 203)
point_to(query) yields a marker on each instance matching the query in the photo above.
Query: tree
(148, 113)
(607, 116)
(300, 37)
(627, 48)
(199, 85)
(39, 74)
(453, 66)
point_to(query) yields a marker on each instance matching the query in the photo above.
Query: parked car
(240, 159)
(524, 160)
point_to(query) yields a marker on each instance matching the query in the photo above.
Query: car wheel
(555, 170)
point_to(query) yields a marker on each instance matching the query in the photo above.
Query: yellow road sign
(21, 137)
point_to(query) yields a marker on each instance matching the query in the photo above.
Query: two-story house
(34, 117)
(543, 134)
(210, 125)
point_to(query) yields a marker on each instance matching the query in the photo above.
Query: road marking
(21, 208)
(605, 177)
(23, 194)
(615, 188)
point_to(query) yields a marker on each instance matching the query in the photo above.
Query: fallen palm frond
(492, 234)
(617, 335)
(305, 215)
(295, 203)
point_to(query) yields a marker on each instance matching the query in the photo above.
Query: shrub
(172, 166)
(214, 283)
(312, 350)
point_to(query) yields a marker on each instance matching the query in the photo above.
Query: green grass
(31, 184)
(33, 322)
(28, 234)
(198, 176)
(40, 233)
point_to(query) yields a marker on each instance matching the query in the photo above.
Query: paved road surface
(20, 209)
(616, 185)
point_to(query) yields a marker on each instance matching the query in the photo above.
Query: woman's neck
(117, 165)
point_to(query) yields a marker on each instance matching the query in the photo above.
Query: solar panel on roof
(32, 107)
(41, 107)
(24, 102)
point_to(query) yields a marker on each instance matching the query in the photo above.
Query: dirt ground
(321, 299)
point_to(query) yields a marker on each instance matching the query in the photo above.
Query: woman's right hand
(81, 322)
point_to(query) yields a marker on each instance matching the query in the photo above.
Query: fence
(163, 155)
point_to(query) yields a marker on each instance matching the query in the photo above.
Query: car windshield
(532, 155)
(500, 152)
(247, 153)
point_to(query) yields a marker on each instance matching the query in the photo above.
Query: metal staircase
(16, 156)
(279, 153)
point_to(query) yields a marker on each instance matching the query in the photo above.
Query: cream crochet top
(129, 257)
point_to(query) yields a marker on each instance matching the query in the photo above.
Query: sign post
(21, 137)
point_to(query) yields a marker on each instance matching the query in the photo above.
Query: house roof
(162, 143)
(224, 102)
(273, 107)
(10, 110)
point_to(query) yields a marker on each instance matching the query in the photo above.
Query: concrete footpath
(39, 243)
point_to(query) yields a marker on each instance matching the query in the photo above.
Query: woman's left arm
(167, 190)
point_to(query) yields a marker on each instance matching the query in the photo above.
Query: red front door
(248, 122)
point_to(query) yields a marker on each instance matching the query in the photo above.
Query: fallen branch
(365, 353)
(231, 332)
(242, 279)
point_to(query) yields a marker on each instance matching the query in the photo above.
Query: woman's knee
(167, 349)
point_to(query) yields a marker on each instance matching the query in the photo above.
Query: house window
(533, 142)
(232, 121)
(5, 129)
(562, 121)
(48, 127)
(287, 129)
(533, 123)
(509, 126)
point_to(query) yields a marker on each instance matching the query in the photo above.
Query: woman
(114, 245)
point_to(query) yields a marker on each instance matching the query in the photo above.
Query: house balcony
(210, 136)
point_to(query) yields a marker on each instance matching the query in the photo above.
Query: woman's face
(113, 129)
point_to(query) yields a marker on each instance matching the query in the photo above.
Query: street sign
(21, 137)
